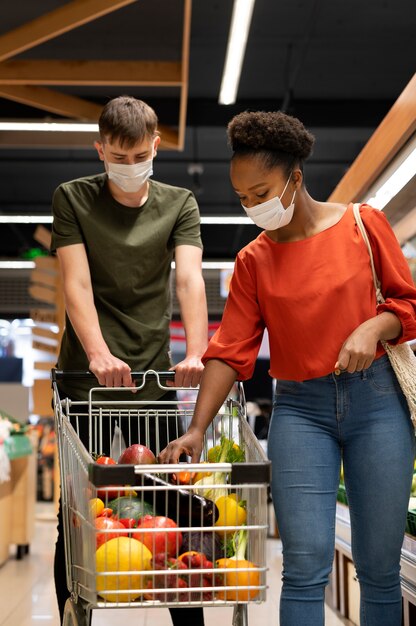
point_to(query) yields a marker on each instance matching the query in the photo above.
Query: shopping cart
(140, 564)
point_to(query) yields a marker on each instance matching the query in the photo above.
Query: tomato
(105, 460)
(159, 541)
(108, 523)
(128, 522)
(105, 493)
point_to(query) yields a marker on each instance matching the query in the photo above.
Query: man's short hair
(127, 120)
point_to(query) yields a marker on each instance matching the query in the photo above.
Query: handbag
(402, 357)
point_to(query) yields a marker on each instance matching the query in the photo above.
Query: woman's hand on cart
(190, 444)
(111, 371)
(187, 373)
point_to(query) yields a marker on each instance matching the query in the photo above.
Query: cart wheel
(74, 614)
(240, 615)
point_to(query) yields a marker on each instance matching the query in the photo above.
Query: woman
(307, 279)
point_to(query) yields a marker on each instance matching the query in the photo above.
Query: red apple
(137, 454)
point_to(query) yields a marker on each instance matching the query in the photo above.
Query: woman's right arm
(216, 382)
(231, 354)
(79, 301)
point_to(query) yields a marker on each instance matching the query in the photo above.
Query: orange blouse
(310, 295)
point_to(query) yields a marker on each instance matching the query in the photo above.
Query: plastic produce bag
(118, 445)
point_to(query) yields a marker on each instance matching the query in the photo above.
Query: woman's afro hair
(263, 131)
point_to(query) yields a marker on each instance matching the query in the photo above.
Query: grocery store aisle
(27, 596)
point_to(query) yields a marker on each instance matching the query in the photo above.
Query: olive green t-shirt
(129, 251)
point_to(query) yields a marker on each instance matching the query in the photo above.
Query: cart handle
(142, 376)
(86, 374)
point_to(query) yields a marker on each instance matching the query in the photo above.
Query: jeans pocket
(383, 378)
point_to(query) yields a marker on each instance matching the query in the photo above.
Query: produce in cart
(183, 506)
(207, 542)
(214, 486)
(171, 578)
(232, 513)
(137, 454)
(128, 572)
(133, 507)
(161, 540)
(238, 579)
(103, 527)
(121, 554)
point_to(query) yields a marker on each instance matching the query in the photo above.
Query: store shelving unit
(344, 589)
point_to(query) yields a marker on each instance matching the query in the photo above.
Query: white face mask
(271, 214)
(129, 177)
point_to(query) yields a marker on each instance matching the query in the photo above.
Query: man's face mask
(130, 178)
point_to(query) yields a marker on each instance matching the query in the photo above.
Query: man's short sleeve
(65, 227)
(187, 229)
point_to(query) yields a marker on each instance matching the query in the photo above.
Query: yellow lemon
(96, 506)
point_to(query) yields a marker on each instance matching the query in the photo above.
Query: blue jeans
(361, 418)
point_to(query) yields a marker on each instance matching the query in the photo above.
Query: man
(116, 235)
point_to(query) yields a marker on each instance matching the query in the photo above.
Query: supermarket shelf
(343, 549)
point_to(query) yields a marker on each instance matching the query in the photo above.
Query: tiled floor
(27, 596)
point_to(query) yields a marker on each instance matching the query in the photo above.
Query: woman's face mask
(129, 177)
(271, 214)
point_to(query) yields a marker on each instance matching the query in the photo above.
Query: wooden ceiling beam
(90, 72)
(389, 137)
(52, 101)
(69, 106)
(55, 23)
(183, 101)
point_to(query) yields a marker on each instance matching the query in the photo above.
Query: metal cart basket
(134, 534)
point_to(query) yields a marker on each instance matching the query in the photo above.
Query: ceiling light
(17, 265)
(397, 175)
(213, 265)
(236, 47)
(48, 219)
(26, 219)
(217, 265)
(228, 219)
(63, 127)
(28, 265)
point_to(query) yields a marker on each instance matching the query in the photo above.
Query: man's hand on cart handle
(189, 444)
(111, 371)
(187, 373)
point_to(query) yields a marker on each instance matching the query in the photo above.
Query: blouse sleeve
(393, 271)
(237, 340)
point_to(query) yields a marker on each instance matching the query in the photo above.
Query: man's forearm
(194, 315)
(84, 320)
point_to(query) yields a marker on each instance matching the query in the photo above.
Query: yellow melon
(121, 554)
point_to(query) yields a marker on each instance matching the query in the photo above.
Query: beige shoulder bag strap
(360, 224)
(401, 356)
